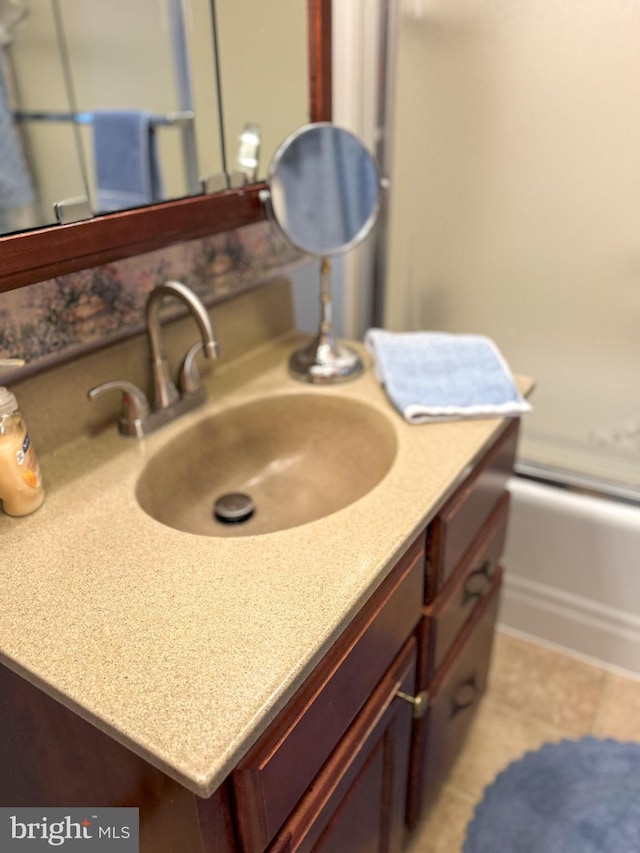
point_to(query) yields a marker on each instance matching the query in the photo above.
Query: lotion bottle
(21, 490)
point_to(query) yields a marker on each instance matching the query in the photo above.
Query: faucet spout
(165, 391)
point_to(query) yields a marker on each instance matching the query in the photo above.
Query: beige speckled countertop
(185, 647)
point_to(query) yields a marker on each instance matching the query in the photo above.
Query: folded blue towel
(126, 159)
(436, 376)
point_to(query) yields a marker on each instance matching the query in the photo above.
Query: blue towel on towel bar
(436, 376)
(126, 159)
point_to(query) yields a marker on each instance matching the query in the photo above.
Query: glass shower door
(515, 211)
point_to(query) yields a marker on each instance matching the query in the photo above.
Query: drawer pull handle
(465, 696)
(476, 583)
(420, 703)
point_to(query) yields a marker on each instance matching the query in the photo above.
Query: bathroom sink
(297, 457)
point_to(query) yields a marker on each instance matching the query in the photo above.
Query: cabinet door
(52, 758)
(277, 771)
(457, 524)
(454, 694)
(357, 802)
(444, 618)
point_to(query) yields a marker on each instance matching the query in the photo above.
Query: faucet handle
(189, 381)
(135, 406)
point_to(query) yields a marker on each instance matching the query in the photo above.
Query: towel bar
(171, 118)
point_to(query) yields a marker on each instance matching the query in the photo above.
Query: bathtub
(573, 573)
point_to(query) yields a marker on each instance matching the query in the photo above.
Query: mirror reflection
(103, 98)
(118, 103)
(324, 189)
(262, 51)
(24, 200)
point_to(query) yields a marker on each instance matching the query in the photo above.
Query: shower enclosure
(514, 211)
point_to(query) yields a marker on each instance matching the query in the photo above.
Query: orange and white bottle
(21, 490)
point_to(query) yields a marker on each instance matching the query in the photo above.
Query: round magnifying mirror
(325, 196)
(325, 189)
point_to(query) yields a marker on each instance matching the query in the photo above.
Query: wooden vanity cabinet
(51, 757)
(357, 801)
(277, 772)
(464, 544)
(344, 766)
(369, 767)
(454, 694)
(445, 617)
(460, 520)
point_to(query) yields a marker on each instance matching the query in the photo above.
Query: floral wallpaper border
(55, 319)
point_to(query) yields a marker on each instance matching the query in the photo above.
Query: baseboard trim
(599, 632)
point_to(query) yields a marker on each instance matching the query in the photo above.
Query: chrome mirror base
(324, 361)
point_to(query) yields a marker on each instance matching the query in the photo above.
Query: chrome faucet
(169, 402)
(165, 392)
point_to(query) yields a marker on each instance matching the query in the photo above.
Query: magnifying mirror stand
(324, 360)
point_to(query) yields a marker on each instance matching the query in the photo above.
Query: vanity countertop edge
(184, 648)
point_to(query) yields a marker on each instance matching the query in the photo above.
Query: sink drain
(233, 508)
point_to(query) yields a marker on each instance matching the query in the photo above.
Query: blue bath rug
(576, 796)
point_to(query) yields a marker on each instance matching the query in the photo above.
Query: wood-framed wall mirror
(223, 66)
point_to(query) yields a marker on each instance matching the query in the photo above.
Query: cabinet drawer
(457, 524)
(443, 620)
(365, 776)
(276, 772)
(453, 699)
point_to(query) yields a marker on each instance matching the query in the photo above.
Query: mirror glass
(80, 73)
(105, 98)
(260, 46)
(325, 189)
(27, 189)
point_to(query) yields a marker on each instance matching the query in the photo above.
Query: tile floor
(535, 695)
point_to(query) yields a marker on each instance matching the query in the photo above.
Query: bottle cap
(8, 402)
